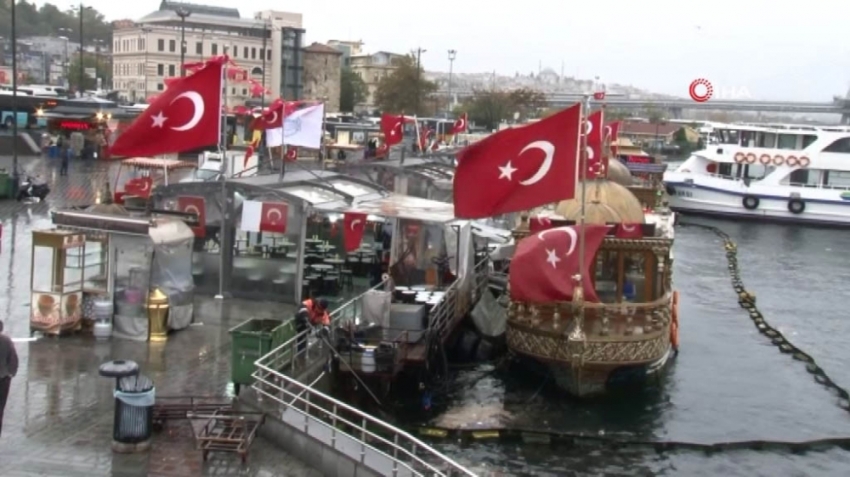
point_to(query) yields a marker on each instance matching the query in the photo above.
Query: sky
(747, 49)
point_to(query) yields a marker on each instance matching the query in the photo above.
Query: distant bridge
(839, 105)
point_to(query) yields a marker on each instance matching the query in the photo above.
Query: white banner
(304, 127)
(252, 210)
(274, 137)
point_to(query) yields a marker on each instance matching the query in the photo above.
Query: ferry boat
(797, 174)
(628, 337)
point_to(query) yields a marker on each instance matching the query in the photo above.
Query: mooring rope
(747, 300)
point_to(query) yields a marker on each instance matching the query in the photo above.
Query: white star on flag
(158, 120)
(507, 171)
(552, 258)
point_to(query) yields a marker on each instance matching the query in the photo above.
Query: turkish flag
(539, 224)
(139, 187)
(519, 168)
(354, 225)
(544, 264)
(382, 150)
(273, 217)
(460, 126)
(595, 138)
(186, 116)
(599, 95)
(194, 205)
(629, 231)
(612, 133)
(291, 154)
(270, 118)
(393, 128)
(424, 134)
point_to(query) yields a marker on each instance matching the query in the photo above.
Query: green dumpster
(252, 340)
(5, 185)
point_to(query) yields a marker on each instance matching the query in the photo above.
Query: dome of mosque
(607, 202)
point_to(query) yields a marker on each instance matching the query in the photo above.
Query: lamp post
(80, 88)
(66, 35)
(97, 44)
(265, 36)
(14, 104)
(182, 13)
(146, 30)
(419, 52)
(452, 56)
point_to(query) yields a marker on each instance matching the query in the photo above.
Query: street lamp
(147, 30)
(182, 13)
(14, 104)
(66, 35)
(97, 44)
(419, 52)
(452, 56)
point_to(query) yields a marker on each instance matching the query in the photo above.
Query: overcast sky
(792, 50)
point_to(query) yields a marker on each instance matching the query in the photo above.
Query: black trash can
(133, 424)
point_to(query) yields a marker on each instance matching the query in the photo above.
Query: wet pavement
(58, 420)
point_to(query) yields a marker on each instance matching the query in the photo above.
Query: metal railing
(455, 304)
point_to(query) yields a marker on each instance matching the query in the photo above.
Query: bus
(29, 110)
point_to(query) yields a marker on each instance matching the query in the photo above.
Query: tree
(405, 89)
(104, 72)
(352, 90)
(48, 19)
(490, 108)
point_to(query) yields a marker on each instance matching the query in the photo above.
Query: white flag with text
(304, 127)
(274, 137)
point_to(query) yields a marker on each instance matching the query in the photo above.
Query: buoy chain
(747, 301)
(619, 441)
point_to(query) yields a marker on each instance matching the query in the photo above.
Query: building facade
(322, 75)
(371, 69)
(348, 49)
(148, 51)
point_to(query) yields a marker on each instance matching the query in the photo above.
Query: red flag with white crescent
(612, 133)
(460, 126)
(544, 264)
(273, 217)
(291, 154)
(629, 231)
(393, 128)
(139, 187)
(354, 225)
(194, 205)
(595, 137)
(539, 224)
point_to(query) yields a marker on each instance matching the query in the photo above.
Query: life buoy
(740, 157)
(750, 202)
(674, 322)
(804, 161)
(751, 158)
(796, 206)
(778, 160)
(764, 159)
(791, 161)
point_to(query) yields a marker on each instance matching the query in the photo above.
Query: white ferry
(797, 174)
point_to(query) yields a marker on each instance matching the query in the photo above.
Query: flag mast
(222, 149)
(577, 334)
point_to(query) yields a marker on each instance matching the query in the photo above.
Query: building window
(214, 49)
(269, 55)
(253, 53)
(235, 51)
(159, 87)
(142, 44)
(199, 48)
(233, 91)
(170, 70)
(244, 92)
(160, 70)
(160, 45)
(172, 46)
(245, 52)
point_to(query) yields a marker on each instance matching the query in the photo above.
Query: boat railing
(604, 321)
(288, 358)
(343, 424)
(457, 301)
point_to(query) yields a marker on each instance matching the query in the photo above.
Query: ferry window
(803, 177)
(748, 139)
(808, 139)
(767, 140)
(787, 141)
(837, 179)
(840, 145)
(724, 169)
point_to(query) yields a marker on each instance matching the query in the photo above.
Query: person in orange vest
(312, 312)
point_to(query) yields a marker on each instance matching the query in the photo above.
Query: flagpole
(578, 333)
(222, 147)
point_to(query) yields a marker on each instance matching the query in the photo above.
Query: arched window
(257, 71)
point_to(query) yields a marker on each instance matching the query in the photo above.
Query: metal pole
(14, 105)
(265, 35)
(182, 13)
(96, 63)
(418, 80)
(578, 333)
(67, 80)
(222, 146)
(80, 87)
(452, 56)
(146, 30)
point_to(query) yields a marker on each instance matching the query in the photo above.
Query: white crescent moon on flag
(607, 131)
(193, 209)
(628, 228)
(198, 106)
(274, 119)
(549, 149)
(145, 186)
(461, 123)
(569, 231)
(275, 211)
(588, 128)
(355, 222)
(590, 153)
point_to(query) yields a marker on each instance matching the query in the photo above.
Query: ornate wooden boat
(632, 331)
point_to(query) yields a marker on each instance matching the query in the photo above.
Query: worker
(311, 313)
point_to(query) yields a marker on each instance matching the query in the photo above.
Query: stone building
(322, 74)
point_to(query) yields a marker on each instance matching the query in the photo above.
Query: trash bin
(133, 424)
(251, 340)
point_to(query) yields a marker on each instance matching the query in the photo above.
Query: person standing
(66, 154)
(8, 370)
